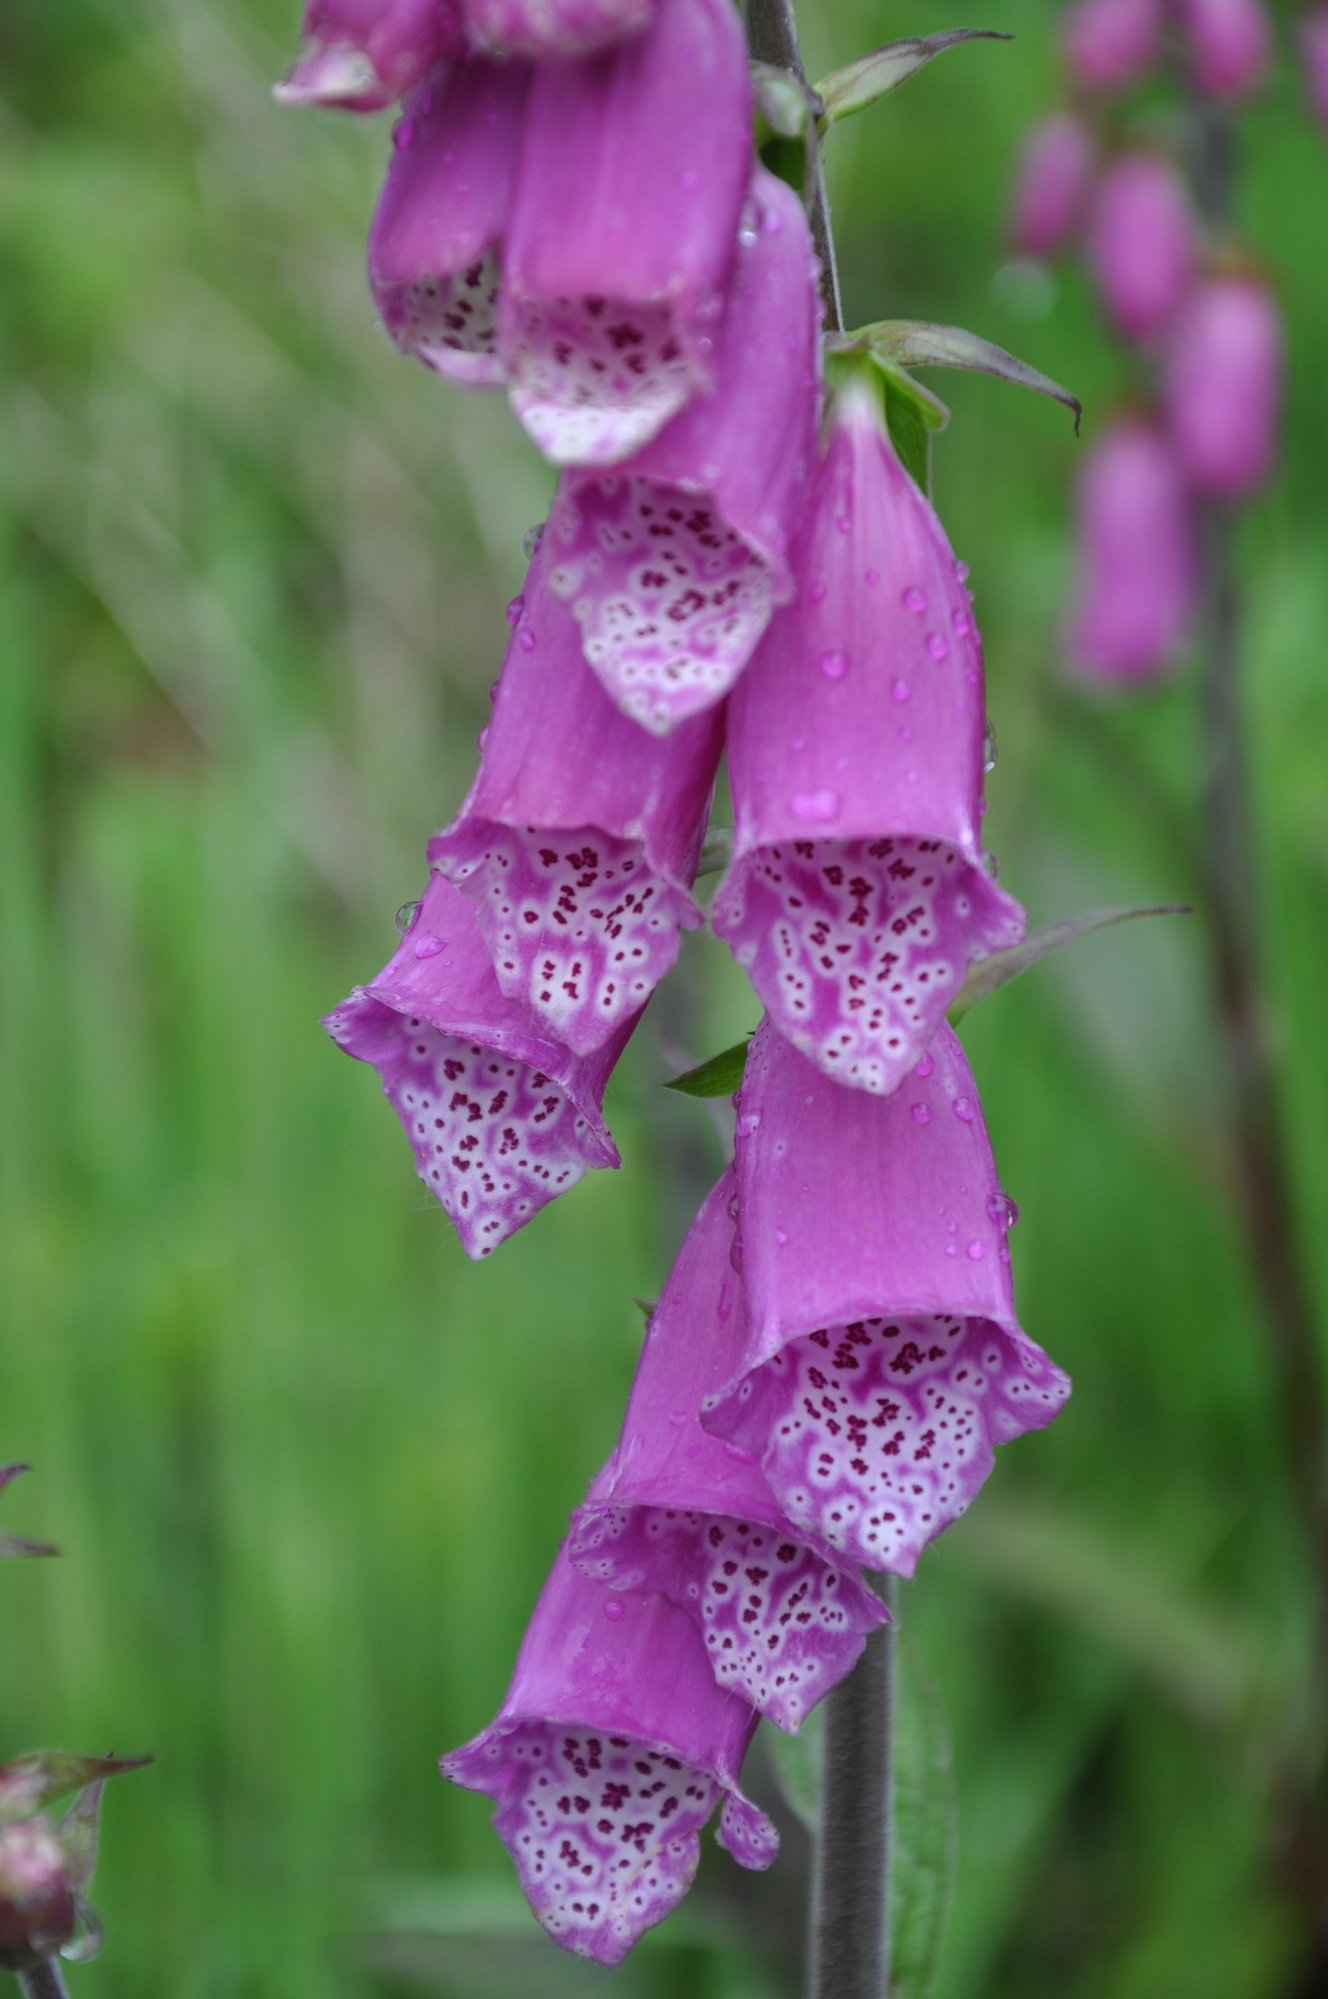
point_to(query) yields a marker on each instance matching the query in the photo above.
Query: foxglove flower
(553, 27)
(362, 55)
(1109, 43)
(1138, 558)
(436, 242)
(1230, 44)
(501, 1116)
(1224, 386)
(610, 1752)
(578, 842)
(1051, 185)
(884, 1360)
(673, 563)
(1313, 37)
(857, 896)
(675, 1510)
(1141, 239)
(624, 222)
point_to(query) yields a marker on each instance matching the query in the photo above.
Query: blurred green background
(308, 1467)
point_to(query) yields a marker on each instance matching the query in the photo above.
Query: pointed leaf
(860, 83)
(919, 343)
(781, 100)
(718, 1077)
(32, 1781)
(10, 1472)
(77, 1834)
(716, 851)
(14, 1545)
(1002, 966)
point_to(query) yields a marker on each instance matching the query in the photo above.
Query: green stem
(850, 1940)
(772, 36)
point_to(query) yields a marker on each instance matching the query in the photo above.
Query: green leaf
(781, 100)
(720, 1076)
(32, 1781)
(919, 343)
(1002, 966)
(860, 83)
(717, 851)
(77, 1834)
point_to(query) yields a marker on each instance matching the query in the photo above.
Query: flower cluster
(1200, 321)
(736, 559)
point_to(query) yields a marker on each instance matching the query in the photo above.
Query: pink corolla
(883, 1358)
(362, 55)
(553, 27)
(578, 842)
(673, 562)
(610, 1752)
(1230, 43)
(677, 1511)
(857, 897)
(624, 222)
(435, 247)
(1141, 242)
(1138, 577)
(1051, 185)
(500, 1115)
(1312, 31)
(1224, 386)
(1110, 43)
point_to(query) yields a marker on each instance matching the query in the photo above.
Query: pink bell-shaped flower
(577, 843)
(857, 897)
(1111, 43)
(1141, 243)
(883, 1360)
(435, 247)
(1138, 557)
(673, 563)
(1051, 185)
(553, 27)
(610, 1752)
(1230, 43)
(362, 55)
(1312, 34)
(500, 1115)
(675, 1510)
(1224, 386)
(634, 166)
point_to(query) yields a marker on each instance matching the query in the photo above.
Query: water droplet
(834, 665)
(401, 133)
(976, 1252)
(482, 737)
(1002, 1210)
(429, 946)
(938, 645)
(963, 1110)
(992, 866)
(613, 1609)
(406, 916)
(921, 1114)
(949, 1249)
(989, 747)
(962, 623)
(531, 539)
(914, 600)
(781, 1237)
(900, 689)
(961, 571)
(749, 1122)
(746, 233)
(526, 639)
(924, 1067)
(818, 807)
(514, 610)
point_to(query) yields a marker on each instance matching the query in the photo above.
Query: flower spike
(362, 55)
(1138, 578)
(1051, 185)
(675, 1510)
(610, 1752)
(1141, 240)
(857, 897)
(1224, 386)
(553, 27)
(884, 1360)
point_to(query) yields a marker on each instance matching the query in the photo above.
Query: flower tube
(624, 222)
(436, 241)
(673, 563)
(501, 1117)
(883, 1359)
(1138, 577)
(857, 897)
(1051, 184)
(1230, 44)
(1111, 43)
(610, 1752)
(553, 27)
(675, 1510)
(579, 839)
(1224, 387)
(362, 55)
(1141, 240)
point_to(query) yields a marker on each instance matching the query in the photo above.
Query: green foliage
(720, 1076)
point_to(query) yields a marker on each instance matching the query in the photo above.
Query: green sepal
(990, 973)
(31, 1782)
(921, 343)
(911, 412)
(720, 1076)
(872, 76)
(782, 103)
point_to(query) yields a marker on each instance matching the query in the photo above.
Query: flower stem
(772, 36)
(850, 1932)
(44, 1981)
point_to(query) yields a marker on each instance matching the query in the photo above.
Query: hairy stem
(44, 1981)
(772, 36)
(850, 1939)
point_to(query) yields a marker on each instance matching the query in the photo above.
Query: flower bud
(1050, 186)
(37, 1908)
(1229, 46)
(1109, 43)
(553, 27)
(1224, 387)
(1138, 561)
(362, 55)
(1313, 38)
(1141, 242)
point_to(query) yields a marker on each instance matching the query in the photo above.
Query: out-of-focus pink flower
(38, 1912)
(435, 247)
(676, 1510)
(883, 1358)
(1051, 185)
(673, 563)
(1109, 43)
(553, 27)
(500, 1115)
(362, 55)
(1141, 241)
(1230, 42)
(1312, 34)
(1138, 561)
(1224, 386)
(578, 841)
(610, 1752)
(634, 167)
(857, 896)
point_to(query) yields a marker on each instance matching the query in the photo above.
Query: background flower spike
(1138, 558)
(1051, 185)
(610, 1752)
(884, 1360)
(553, 27)
(362, 55)
(678, 1511)
(1223, 391)
(500, 1115)
(578, 841)
(1111, 43)
(1141, 243)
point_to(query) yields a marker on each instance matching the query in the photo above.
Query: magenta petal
(1312, 35)
(623, 228)
(1224, 386)
(1230, 45)
(609, 1754)
(1051, 184)
(553, 27)
(500, 1116)
(579, 839)
(673, 565)
(677, 1510)
(883, 1357)
(1109, 43)
(362, 55)
(1138, 578)
(1141, 239)
(435, 244)
(857, 897)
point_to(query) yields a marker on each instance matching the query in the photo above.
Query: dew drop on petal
(613, 1609)
(834, 665)
(900, 689)
(817, 807)
(914, 600)
(514, 610)
(527, 639)
(938, 645)
(429, 946)
(963, 1109)
(406, 916)
(749, 1122)
(989, 747)
(976, 1252)
(482, 737)
(924, 1067)
(961, 571)
(781, 1237)
(531, 540)
(962, 623)
(921, 1114)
